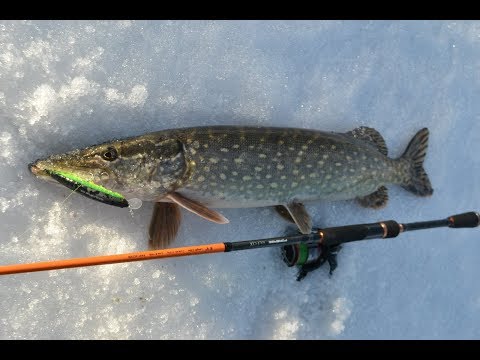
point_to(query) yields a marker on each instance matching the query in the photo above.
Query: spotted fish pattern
(270, 166)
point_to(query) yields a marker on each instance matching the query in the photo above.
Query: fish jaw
(78, 180)
(67, 164)
(38, 171)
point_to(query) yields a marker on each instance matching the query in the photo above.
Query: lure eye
(110, 155)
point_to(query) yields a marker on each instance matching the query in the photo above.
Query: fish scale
(235, 167)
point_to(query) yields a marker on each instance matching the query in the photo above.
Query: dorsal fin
(370, 135)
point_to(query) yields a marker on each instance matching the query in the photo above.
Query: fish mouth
(81, 186)
(35, 170)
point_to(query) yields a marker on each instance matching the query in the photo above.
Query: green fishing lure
(89, 189)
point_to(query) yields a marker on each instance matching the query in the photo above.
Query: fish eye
(110, 155)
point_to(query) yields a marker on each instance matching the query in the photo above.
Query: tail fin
(418, 183)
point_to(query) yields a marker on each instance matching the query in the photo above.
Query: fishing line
(32, 226)
(74, 190)
(78, 187)
(61, 204)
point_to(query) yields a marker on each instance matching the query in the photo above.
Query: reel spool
(309, 256)
(301, 254)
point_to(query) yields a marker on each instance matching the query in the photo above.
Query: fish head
(144, 167)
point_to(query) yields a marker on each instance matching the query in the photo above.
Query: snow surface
(71, 84)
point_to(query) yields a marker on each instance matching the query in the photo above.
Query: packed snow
(70, 84)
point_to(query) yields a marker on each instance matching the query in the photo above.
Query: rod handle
(343, 234)
(466, 220)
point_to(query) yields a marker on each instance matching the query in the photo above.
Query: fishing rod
(307, 251)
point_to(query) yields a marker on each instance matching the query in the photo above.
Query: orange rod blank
(113, 259)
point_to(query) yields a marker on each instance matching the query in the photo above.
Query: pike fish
(203, 168)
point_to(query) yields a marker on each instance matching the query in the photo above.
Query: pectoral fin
(375, 200)
(164, 225)
(197, 208)
(300, 215)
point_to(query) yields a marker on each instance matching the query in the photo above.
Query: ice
(70, 84)
(136, 97)
(42, 101)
